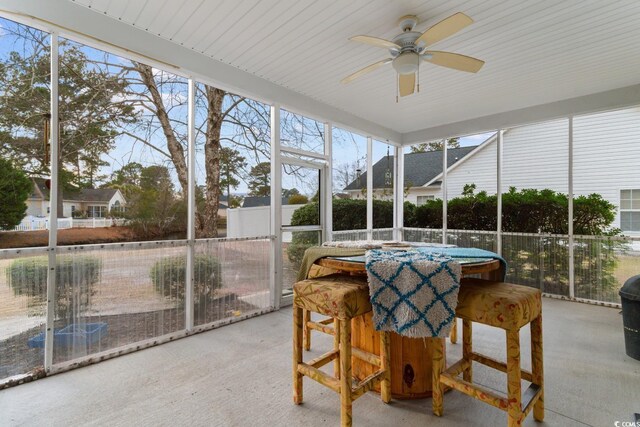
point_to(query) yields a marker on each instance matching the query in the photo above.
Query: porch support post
(499, 191)
(191, 205)
(276, 209)
(398, 194)
(53, 206)
(326, 185)
(369, 188)
(444, 191)
(572, 292)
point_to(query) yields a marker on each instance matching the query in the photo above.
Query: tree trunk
(209, 228)
(173, 145)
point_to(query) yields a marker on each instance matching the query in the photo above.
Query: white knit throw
(413, 293)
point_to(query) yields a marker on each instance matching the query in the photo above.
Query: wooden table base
(410, 360)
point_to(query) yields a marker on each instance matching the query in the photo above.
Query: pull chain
(397, 86)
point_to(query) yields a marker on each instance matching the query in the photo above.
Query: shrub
(524, 211)
(168, 276)
(75, 277)
(348, 214)
(298, 199)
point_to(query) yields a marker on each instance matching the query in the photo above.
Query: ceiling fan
(409, 48)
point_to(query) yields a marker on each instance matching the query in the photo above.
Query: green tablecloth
(314, 253)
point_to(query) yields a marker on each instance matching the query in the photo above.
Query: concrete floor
(240, 375)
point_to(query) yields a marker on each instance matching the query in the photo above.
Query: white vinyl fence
(36, 223)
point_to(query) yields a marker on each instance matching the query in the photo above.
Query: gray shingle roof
(255, 201)
(101, 195)
(419, 168)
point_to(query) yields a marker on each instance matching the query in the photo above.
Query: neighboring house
(95, 202)
(420, 169)
(606, 161)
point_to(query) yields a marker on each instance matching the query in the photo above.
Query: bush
(168, 276)
(524, 211)
(298, 199)
(348, 214)
(75, 277)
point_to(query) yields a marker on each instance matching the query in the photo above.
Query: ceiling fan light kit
(406, 63)
(408, 50)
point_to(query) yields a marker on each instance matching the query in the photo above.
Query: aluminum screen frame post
(191, 207)
(398, 193)
(570, 218)
(499, 191)
(276, 209)
(369, 188)
(53, 206)
(326, 217)
(444, 191)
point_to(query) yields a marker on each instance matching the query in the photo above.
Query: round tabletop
(356, 265)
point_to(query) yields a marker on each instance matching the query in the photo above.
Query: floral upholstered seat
(502, 305)
(337, 295)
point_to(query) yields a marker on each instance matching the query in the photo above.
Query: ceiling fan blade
(454, 60)
(365, 70)
(445, 28)
(406, 84)
(375, 41)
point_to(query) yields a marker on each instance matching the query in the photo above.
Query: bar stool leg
(306, 335)
(345, 373)
(453, 337)
(385, 357)
(297, 354)
(437, 366)
(514, 392)
(467, 347)
(536, 366)
(336, 346)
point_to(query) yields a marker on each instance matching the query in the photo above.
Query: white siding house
(606, 161)
(94, 203)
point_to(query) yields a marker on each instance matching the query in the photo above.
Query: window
(630, 210)
(73, 208)
(96, 211)
(421, 200)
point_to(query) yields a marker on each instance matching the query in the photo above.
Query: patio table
(410, 357)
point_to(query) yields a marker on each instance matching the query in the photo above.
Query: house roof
(98, 195)
(419, 168)
(255, 201)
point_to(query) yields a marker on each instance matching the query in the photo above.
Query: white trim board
(610, 100)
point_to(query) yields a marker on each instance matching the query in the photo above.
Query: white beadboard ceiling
(536, 52)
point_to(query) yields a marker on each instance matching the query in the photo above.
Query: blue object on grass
(81, 334)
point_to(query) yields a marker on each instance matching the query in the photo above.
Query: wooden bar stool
(505, 306)
(342, 298)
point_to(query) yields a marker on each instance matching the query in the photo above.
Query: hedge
(168, 276)
(75, 277)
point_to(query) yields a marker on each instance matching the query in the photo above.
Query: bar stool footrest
(322, 327)
(474, 390)
(323, 359)
(319, 376)
(530, 397)
(496, 364)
